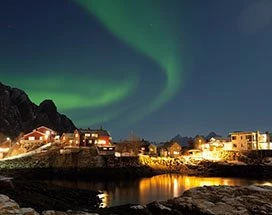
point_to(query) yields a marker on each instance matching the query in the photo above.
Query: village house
(98, 137)
(149, 149)
(34, 137)
(170, 149)
(199, 141)
(95, 137)
(67, 139)
(252, 140)
(37, 137)
(218, 144)
(127, 148)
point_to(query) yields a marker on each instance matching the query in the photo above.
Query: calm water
(145, 190)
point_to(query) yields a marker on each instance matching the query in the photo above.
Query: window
(249, 137)
(101, 141)
(234, 146)
(31, 138)
(233, 137)
(94, 135)
(241, 137)
(41, 138)
(87, 135)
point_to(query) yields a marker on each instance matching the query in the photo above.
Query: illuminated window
(41, 138)
(76, 135)
(31, 138)
(87, 135)
(47, 132)
(101, 141)
(94, 135)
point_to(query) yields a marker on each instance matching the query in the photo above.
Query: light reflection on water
(145, 190)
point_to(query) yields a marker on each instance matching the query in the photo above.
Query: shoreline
(206, 200)
(204, 169)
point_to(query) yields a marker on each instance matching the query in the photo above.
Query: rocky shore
(85, 162)
(42, 196)
(202, 200)
(207, 200)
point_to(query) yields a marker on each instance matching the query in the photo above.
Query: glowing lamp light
(4, 149)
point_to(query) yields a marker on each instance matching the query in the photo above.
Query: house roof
(170, 144)
(69, 135)
(220, 139)
(100, 132)
(45, 128)
(242, 132)
(32, 132)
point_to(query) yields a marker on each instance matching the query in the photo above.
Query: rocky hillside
(18, 114)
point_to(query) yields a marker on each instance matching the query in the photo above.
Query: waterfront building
(170, 149)
(250, 140)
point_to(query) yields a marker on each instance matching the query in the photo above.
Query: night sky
(152, 67)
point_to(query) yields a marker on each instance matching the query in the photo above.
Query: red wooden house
(35, 137)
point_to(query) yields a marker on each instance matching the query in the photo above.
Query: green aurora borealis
(141, 25)
(148, 34)
(155, 67)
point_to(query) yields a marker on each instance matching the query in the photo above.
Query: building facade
(252, 140)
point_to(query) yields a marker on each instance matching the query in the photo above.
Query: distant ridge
(19, 114)
(185, 141)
